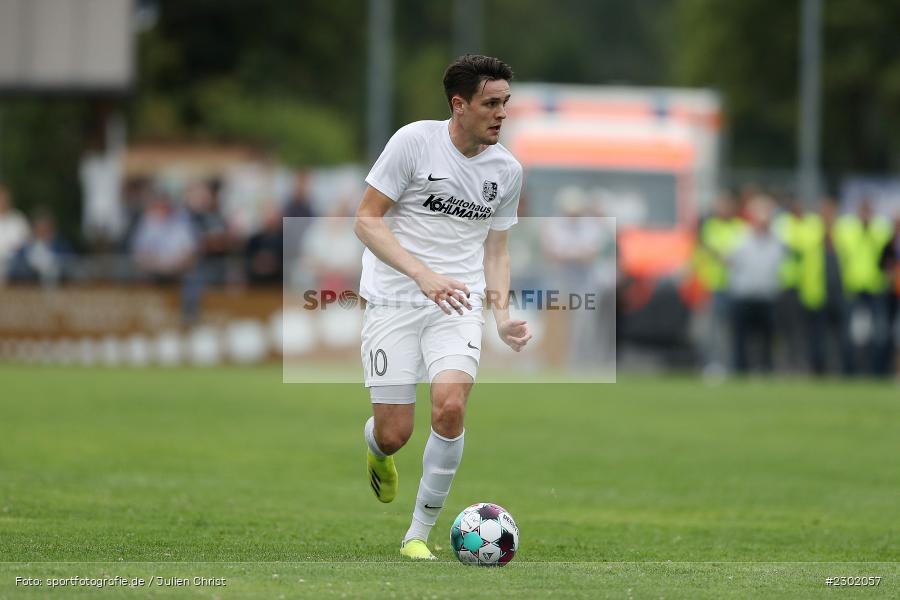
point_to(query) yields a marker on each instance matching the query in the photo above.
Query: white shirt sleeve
(394, 169)
(505, 215)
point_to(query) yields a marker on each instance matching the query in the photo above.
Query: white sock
(439, 463)
(369, 431)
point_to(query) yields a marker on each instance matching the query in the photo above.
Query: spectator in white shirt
(754, 284)
(13, 231)
(164, 245)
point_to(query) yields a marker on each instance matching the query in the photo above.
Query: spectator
(299, 204)
(13, 231)
(213, 244)
(578, 246)
(136, 197)
(46, 257)
(860, 241)
(718, 236)
(164, 246)
(754, 284)
(299, 212)
(213, 238)
(331, 251)
(264, 252)
(890, 263)
(790, 227)
(820, 289)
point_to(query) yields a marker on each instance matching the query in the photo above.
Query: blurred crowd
(182, 240)
(806, 291)
(812, 291)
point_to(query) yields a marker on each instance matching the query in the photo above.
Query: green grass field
(647, 488)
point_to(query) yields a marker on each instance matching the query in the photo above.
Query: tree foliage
(750, 52)
(282, 74)
(41, 143)
(574, 41)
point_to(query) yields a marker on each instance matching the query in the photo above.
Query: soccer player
(434, 218)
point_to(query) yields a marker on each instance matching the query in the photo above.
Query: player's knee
(392, 439)
(449, 413)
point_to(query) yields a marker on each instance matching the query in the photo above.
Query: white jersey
(444, 205)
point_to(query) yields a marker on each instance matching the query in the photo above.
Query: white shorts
(400, 344)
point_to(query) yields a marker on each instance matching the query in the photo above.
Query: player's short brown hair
(464, 75)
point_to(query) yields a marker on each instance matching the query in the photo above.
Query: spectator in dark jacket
(46, 257)
(264, 253)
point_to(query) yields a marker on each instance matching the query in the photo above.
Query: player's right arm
(372, 231)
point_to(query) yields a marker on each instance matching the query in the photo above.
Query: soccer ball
(484, 534)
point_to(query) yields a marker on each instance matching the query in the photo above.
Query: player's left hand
(514, 333)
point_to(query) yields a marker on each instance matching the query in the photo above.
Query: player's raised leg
(386, 431)
(443, 452)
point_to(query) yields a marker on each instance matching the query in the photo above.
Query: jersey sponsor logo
(457, 207)
(471, 346)
(431, 177)
(489, 191)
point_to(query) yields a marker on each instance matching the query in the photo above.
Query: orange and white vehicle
(648, 157)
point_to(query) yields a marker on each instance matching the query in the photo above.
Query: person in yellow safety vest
(718, 235)
(788, 226)
(820, 291)
(789, 229)
(860, 240)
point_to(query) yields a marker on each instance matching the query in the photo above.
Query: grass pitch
(645, 488)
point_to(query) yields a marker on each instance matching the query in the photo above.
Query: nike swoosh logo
(471, 346)
(427, 506)
(430, 178)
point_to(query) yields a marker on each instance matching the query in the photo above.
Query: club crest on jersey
(489, 191)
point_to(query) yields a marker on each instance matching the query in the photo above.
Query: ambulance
(648, 157)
